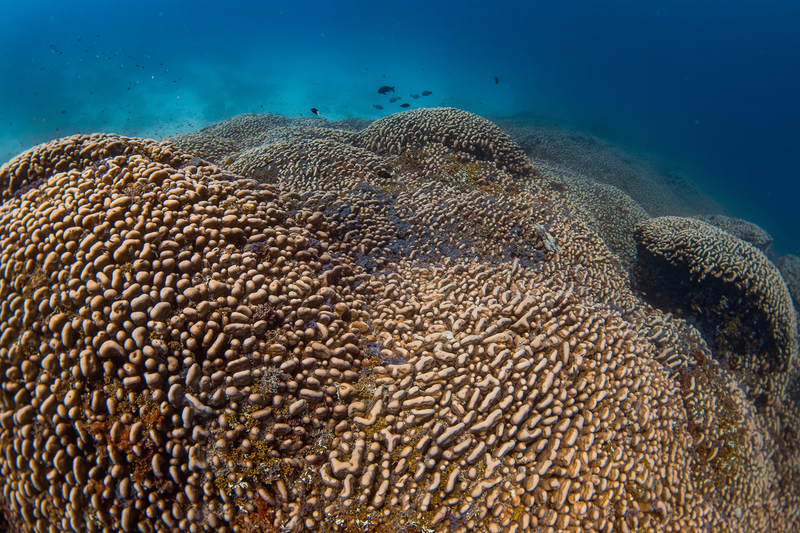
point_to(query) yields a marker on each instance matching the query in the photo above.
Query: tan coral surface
(790, 270)
(705, 252)
(402, 328)
(740, 228)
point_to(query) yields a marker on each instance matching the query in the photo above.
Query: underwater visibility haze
(421, 267)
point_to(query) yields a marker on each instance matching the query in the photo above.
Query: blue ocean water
(708, 86)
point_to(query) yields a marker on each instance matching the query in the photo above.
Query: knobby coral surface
(682, 256)
(402, 328)
(740, 228)
(790, 270)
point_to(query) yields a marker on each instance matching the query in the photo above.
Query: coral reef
(743, 229)
(606, 209)
(448, 127)
(277, 325)
(220, 142)
(789, 266)
(737, 292)
(659, 189)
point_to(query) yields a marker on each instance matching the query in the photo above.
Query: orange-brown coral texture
(278, 325)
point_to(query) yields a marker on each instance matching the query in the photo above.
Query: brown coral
(606, 209)
(789, 266)
(29, 169)
(737, 290)
(740, 228)
(221, 143)
(450, 127)
(421, 341)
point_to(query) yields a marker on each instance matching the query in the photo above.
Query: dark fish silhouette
(496, 80)
(315, 111)
(386, 89)
(393, 100)
(414, 96)
(427, 93)
(405, 105)
(376, 106)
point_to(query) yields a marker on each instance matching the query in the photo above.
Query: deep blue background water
(710, 85)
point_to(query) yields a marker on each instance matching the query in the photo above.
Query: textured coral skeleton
(406, 325)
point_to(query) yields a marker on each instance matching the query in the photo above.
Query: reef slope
(270, 325)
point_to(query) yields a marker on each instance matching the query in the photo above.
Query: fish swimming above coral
(405, 105)
(427, 93)
(414, 96)
(393, 100)
(377, 106)
(386, 89)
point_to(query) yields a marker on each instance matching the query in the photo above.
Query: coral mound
(449, 127)
(606, 209)
(740, 228)
(790, 269)
(29, 169)
(219, 141)
(737, 290)
(430, 337)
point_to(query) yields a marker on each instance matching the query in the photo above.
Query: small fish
(315, 111)
(496, 80)
(386, 89)
(427, 93)
(393, 100)
(405, 105)
(376, 106)
(414, 96)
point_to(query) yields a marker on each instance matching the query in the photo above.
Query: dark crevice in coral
(729, 324)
